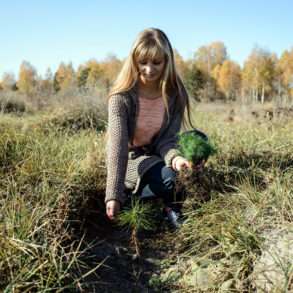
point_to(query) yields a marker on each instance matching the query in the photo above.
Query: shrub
(12, 103)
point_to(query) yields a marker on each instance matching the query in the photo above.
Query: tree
(229, 79)
(95, 73)
(89, 75)
(258, 74)
(110, 67)
(27, 79)
(194, 80)
(64, 77)
(207, 58)
(285, 70)
(46, 85)
(82, 76)
(180, 64)
(8, 81)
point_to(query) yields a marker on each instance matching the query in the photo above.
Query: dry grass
(51, 170)
(45, 183)
(245, 192)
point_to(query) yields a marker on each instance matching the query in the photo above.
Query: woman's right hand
(112, 208)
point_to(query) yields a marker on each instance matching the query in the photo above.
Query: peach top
(149, 121)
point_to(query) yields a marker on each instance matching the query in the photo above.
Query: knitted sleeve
(167, 146)
(116, 149)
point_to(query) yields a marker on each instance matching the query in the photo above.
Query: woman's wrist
(174, 160)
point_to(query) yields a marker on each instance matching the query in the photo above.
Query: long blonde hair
(150, 43)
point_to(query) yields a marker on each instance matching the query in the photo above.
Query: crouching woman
(146, 109)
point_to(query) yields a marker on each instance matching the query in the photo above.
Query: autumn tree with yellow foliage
(285, 69)
(27, 79)
(46, 85)
(207, 58)
(64, 77)
(8, 82)
(89, 74)
(110, 66)
(229, 79)
(181, 65)
(258, 75)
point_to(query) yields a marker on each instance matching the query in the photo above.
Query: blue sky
(48, 32)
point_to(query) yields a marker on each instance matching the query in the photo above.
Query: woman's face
(151, 69)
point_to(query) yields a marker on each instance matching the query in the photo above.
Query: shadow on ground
(122, 270)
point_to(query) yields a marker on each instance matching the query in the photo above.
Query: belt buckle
(134, 153)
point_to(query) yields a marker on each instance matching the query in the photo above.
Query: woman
(146, 109)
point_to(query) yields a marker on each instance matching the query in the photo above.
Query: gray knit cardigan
(126, 166)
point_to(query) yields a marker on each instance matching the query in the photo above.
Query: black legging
(158, 181)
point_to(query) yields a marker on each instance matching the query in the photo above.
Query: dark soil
(122, 270)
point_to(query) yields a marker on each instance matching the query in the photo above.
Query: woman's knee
(168, 178)
(160, 178)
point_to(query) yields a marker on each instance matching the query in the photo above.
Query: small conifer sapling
(195, 147)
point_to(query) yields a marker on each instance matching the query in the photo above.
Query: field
(54, 236)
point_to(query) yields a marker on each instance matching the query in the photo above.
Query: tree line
(209, 75)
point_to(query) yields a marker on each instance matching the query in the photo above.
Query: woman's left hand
(180, 163)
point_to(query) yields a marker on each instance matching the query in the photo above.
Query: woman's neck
(149, 89)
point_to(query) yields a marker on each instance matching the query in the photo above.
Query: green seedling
(139, 216)
(195, 147)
